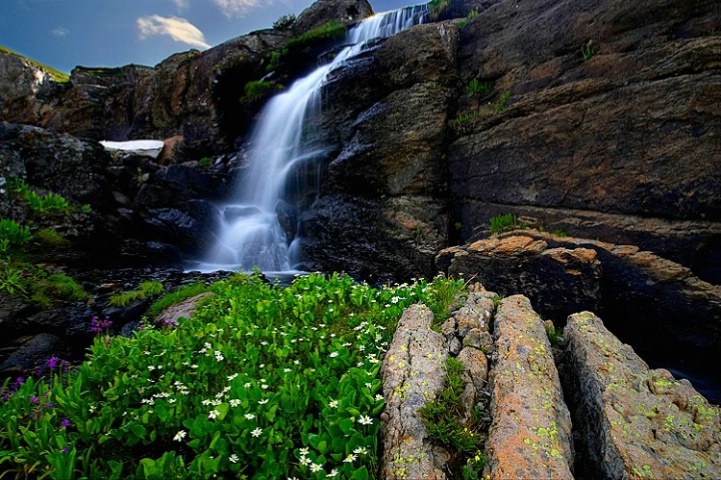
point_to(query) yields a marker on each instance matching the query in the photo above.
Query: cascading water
(251, 234)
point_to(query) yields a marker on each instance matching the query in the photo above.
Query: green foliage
(274, 61)
(173, 298)
(205, 161)
(464, 120)
(285, 22)
(506, 223)
(462, 23)
(559, 232)
(501, 103)
(475, 87)
(473, 468)
(65, 287)
(437, 7)
(50, 237)
(472, 14)
(332, 30)
(554, 336)
(147, 289)
(256, 89)
(588, 51)
(442, 416)
(11, 279)
(39, 200)
(263, 382)
(444, 291)
(58, 76)
(13, 235)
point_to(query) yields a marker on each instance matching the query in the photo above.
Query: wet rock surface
(634, 422)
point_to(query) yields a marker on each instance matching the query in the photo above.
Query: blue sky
(111, 33)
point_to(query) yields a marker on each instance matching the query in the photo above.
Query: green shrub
(588, 51)
(205, 161)
(463, 120)
(274, 61)
(475, 86)
(11, 279)
(506, 223)
(501, 103)
(332, 30)
(40, 200)
(462, 23)
(472, 14)
(13, 235)
(262, 381)
(258, 88)
(442, 416)
(285, 22)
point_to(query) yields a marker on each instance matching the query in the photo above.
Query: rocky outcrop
(671, 307)
(530, 435)
(634, 422)
(416, 351)
(21, 84)
(321, 11)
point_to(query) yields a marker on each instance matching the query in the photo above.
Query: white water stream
(251, 234)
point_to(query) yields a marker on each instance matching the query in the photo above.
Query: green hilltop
(58, 76)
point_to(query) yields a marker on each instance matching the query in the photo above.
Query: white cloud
(179, 29)
(181, 4)
(60, 31)
(238, 8)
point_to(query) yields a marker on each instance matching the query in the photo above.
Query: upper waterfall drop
(251, 234)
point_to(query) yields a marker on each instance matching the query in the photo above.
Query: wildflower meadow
(262, 382)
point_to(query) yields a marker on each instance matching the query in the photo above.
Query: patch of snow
(145, 148)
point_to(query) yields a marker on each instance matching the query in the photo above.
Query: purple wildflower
(53, 362)
(49, 405)
(65, 423)
(34, 399)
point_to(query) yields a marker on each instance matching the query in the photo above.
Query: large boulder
(633, 422)
(322, 11)
(21, 83)
(530, 436)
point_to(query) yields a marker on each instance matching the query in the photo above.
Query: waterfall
(251, 234)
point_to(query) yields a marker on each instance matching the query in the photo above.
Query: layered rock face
(609, 130)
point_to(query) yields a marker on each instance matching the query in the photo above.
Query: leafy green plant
(285, 22)
(262, 382)
(328, 31)
(472, 14)
(11, 280)
(205, 161)
(559, 232)
(274, 61)
(462, 23)
(147, 289)
(13, 234)
(256, 89)
(554, 336)
(463, 120)
(506, 223)
(442, 416)
(66, 287)
(473, 468)
(502, 100)
(444, 290)
(475, 87)
(588, 51)
(40, 200)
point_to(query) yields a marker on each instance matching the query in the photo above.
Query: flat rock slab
(412, 374)
(530, 435)
(143, 148)
(635, 422)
